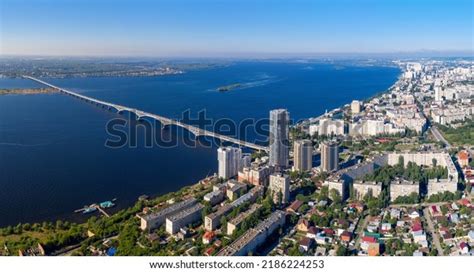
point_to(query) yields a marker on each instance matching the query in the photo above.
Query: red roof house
(346, 236)
(369, 239)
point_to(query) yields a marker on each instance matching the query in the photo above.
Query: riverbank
(62, 185)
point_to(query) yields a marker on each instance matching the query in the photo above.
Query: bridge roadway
(163, 120)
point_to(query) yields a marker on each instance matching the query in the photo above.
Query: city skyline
(214, 28)
(273, 129)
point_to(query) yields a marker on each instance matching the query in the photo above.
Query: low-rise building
(208, 237)
(327, 127)
(463, 158)
(441, 185)
(155, 219)
(402, 187)
(250, 196)
(305, 244)
(183, 218)
(280, 187)
(426, 159)
(254, 237)
(341, 180)
(212, 221)
(295, 206)
(303, 225)
(235, 190)
(258, 175)
(214, 197)
(337, 184)
(234, 224)
(37, 250)
(219, 187)
(374, 249)
(430, 159)
(362, 188)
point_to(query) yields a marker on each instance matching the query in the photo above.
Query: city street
(440, 137)
(433, 232)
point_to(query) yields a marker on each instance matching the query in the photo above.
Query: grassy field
(406, 147)
(459, 136)
(21, 241)
(17, 237)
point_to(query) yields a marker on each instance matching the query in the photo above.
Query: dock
(97, 207)
(102, 211)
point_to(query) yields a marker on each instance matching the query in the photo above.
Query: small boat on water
(94, 207)
(106, 204)
(89, 209)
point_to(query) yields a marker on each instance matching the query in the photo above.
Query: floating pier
(97, 207)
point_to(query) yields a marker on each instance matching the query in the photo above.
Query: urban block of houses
(154, 219)
(254, 237)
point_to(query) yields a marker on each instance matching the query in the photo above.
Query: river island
(229, 87)
(28, 91)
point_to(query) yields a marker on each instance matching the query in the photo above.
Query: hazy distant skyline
(231, 28)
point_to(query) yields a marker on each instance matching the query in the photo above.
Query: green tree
(341, 251)
(335, 196)
(324, 193)
(223, 222)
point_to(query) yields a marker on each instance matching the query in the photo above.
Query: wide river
(53, 157)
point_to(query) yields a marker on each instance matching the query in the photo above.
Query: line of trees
(412, 172)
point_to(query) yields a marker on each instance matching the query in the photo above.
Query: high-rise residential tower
(279, 139)
(229, 161)
(329, 156)
(303, 155)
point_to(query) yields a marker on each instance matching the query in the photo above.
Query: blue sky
(169, 28)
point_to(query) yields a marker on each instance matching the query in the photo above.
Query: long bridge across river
(163, 120)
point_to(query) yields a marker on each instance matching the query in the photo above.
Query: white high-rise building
(374, 127)
(355, 106)
(230, 159)
(279, 138)
(438, 93)
(331, 127)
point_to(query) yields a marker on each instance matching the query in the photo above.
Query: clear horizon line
(253, 55)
